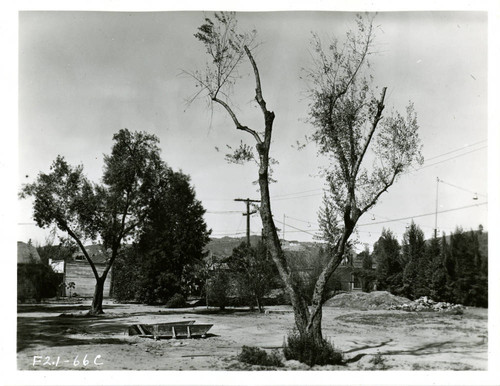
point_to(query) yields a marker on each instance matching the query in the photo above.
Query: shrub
(36, 281)
(217, 289)
(176, 301)
(306, 350)
(257, 356)
(378, 362)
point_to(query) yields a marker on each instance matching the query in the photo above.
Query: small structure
(78, 271)
(34, 279)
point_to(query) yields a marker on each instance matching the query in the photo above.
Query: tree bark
(96, 307)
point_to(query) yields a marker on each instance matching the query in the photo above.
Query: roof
(27, 254)
(96, 252)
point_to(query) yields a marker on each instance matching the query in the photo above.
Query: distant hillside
(224, 246)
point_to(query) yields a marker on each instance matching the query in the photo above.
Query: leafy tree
(341, 108)
(389, 271)
(218, 285)
(366, 273)
(253, 271)
(169, 244)
(415, 276)
(350, 129)
(110, 212)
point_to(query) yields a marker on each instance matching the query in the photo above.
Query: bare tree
(345, 116)
(350, 129)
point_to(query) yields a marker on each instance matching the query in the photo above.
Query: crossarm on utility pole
(248, 213)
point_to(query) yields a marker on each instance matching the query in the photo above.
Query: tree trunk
(292, 284)
(96, 307)
(259, 304)
(314, 329)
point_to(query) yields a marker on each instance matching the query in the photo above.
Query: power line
(458, 187)
(222, 211)
(423, 215)
(298, 219)
(291, 198)
(291, 194)
(298, 229)
(249, 212)
(454, 151)
(359, 225)
(448, 159)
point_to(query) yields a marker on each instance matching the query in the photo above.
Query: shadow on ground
(56, 331)
(46, 308)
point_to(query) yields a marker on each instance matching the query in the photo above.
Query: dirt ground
(371, 340)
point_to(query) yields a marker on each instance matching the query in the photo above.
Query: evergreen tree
(366, 273)
(469, 284)
(168, 246)
(415, 280)
(386, 252)
(437, 273)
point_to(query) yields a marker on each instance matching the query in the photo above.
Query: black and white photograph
(274, 191)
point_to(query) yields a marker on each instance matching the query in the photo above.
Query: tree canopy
(108, 212)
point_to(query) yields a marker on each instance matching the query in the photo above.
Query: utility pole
(436, 216)
(248, 213)
(284, 216)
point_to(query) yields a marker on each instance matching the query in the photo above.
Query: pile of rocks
(426, 304)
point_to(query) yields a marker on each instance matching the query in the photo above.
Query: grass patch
(379, 362)
(257, 356)
(306, 350)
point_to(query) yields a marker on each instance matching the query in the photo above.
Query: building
(27, 254)
(34, 279)
(78, 271)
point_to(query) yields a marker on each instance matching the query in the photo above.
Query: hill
(224, 246)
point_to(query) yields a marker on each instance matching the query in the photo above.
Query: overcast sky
(85, 75)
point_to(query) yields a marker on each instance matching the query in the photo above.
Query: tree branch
(89, 260)
(378, 116)
(386, 186)
(238, 125)
(258, 87)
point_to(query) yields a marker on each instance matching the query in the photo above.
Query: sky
(85, 75)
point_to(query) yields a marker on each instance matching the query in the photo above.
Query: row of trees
(139, 200)
(451, 268)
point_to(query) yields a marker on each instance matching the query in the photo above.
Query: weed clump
(378, 362)
(176, 301)
(257, 356)
(306, 350)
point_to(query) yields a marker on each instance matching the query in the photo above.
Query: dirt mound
(377, 300)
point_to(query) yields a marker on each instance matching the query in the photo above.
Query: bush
(217, 289)
(36, 281)
(176, 301)
(306, 350)
(256, 356)
(378, 362)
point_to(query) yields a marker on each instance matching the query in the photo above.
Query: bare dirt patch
(371, 340)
